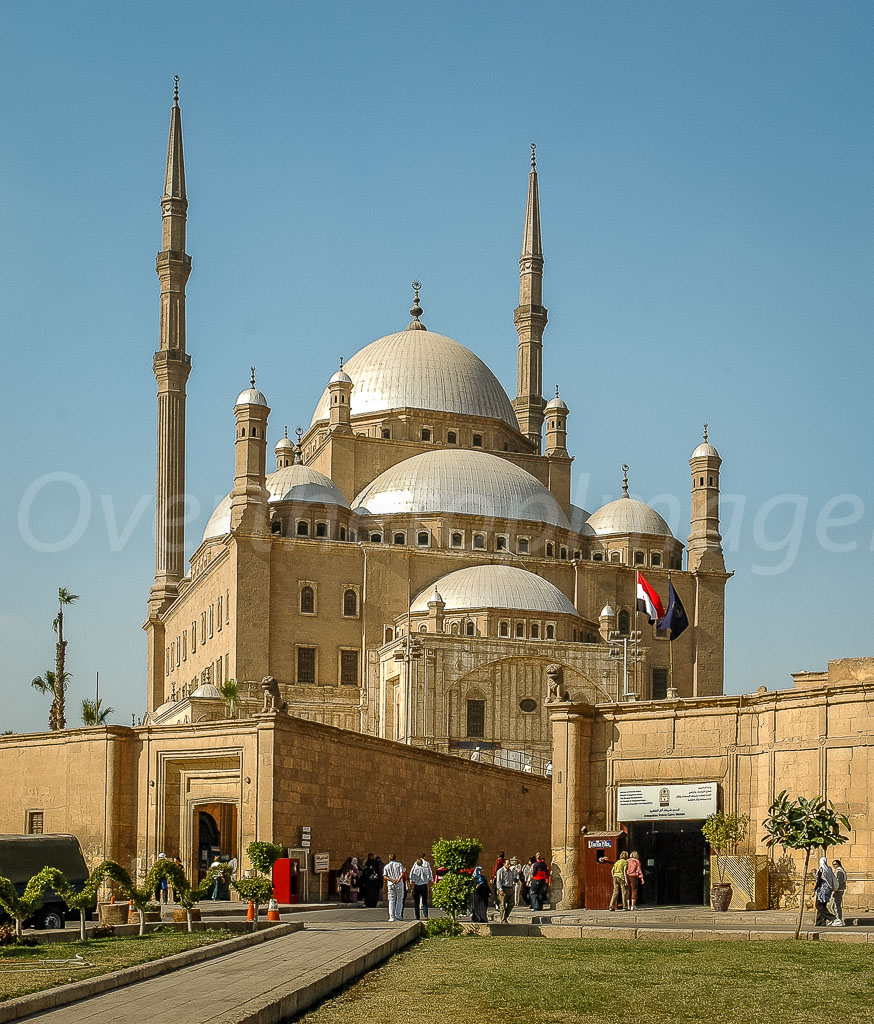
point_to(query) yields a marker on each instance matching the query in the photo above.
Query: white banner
(666, 803)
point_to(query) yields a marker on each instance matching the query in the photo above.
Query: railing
(526, 761)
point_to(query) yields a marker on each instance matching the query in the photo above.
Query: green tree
(20, 908)
(94, 713)
(259, 889)
(230, 692)
(724, 833)
(452, 893)
(45, 684)
(58, 714)
(806, 825)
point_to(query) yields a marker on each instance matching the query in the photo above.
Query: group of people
(627, 875)
(366, 880)
(512, 884)
(828, 893)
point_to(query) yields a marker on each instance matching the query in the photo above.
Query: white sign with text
(666, 803)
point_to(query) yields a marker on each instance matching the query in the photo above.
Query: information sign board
(692, 802)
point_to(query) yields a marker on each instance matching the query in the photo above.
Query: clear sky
(705, 174)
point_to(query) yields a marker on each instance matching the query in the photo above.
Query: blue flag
(675, 618)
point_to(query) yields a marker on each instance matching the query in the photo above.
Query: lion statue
(272, 697)
(554, 680)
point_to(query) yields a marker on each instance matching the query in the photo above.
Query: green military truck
(22, 857)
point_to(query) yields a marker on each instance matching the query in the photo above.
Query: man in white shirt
(505, 881)
(393, 873)
(421, 876)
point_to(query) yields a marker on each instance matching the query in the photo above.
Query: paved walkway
(264, 984)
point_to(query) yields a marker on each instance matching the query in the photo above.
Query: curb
(63, 995)
(667, 933)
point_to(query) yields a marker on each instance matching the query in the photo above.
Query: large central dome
(421, 370)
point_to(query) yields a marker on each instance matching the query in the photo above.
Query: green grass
(510, 980)
(21, 972)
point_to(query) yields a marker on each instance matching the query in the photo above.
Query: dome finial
(624, 480)
(341, 362)
(705, 431)
(556, 392)
(286, 431)
(252, 378)
(533, 156)
(298, 455)
(416, 309)
(175, 90)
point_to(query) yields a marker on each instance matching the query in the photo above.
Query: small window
(303, 528)
(504, 628)
(550, 632)
(388, 635)
(550, 550)
(307, 601)
(476, 718)
(711, 481)
(423, 628)
(423, 538)
(598, 556)
(522, 545)
(386, 433)
(194, 636)
(578, 555)
(659, 683)
(453, 629)
(623, 622)
(426, 433)
(470, 629)
(350, 603)
(639, 558)
(399, 538)
(456, 540)
(219, 613)
(452, 437)
(477, 440)
(348, 668)
(254, 431)
(306, 665)
(211, 620)
(701, 481)
(321, 529)
(520, 630)
(276, 527)
(615, 556)
(535, 631)
(342, 533)
(563, 554)
(500, 543)
(656, 558)
(34, 823)
(479, 541)
(376, 538)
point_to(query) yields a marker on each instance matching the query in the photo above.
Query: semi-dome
(579, 520)
(628, 515)
(464, 482)
(421, 370)
(502, 587)
(291, 483)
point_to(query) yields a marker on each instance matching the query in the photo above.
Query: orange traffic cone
(273, 911)
(250, 913)
(132, 916)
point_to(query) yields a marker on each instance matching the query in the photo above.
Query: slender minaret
(249, 497)
(530, 319)
(172, 364)
(705, 544)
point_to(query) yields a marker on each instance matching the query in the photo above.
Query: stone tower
(530, 319)
(557, 413)
(249, 497)
(340, 390)
(171, 365)
(705, 542)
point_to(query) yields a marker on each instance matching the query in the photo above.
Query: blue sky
(705, 173)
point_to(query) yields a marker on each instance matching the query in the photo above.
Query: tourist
(634, 875)
(824, 886)
(421, 876)
(620, 882)
(217, 886)
(354, 880)
(344, 880)
(527, 868)
(539, 882)
(838, 894)
(505, 883)
(162, 889)
(394, 873)
(516, 868)
(481, 892)
(371, 881)
(499, 863)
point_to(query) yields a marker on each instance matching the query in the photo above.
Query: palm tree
(59, 705)
(94, 713)
(230, 692)
(46, 686)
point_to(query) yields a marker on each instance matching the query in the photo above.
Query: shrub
(263, 856)
(443, 928)
(724, 833)
(457, 854)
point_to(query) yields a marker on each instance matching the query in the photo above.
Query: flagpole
(670, 648)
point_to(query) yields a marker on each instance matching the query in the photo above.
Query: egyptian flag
(648, 601)
(675, 618)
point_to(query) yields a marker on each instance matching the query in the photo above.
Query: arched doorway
(215, 826)
(208, 842)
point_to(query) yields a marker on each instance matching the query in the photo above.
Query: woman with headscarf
(824, 886)
(371, 881)
(481, 892)
(344, 880)
(354, 879)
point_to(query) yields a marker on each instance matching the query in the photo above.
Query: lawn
(552, 981)
(26, 969)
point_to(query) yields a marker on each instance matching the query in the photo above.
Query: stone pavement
(262, 985)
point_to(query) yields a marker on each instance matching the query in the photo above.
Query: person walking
(539, 879)
(499, 863)
(480, 903)
(393, 873)
(505, 881)
(620, 882)
(421, 877)
(371, 881)
(634, 876)
(838, 894)
(527, 868)
(824, 886)
(344, 880)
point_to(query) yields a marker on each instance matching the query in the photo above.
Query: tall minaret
(530, 319)
(171, 364)
(705, 544)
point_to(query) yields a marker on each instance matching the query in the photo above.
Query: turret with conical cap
(530, 318)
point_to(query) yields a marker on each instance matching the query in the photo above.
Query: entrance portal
(216, 831)
(675, 860)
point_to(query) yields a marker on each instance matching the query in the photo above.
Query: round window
(528, 705)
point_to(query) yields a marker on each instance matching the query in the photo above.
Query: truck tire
(50, 917)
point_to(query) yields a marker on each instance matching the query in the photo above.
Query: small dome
(628, 515)
(556, 404)
(436, 597)
(463, 482)
(292, 483)
(606, 612)
(340, 377)
(502, 587)
(579, 521)
(206, 691)
(704, 449)
(283, 445)
(251, 396)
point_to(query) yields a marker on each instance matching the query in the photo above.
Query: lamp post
(625, 647)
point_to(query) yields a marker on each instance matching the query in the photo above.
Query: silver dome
(251, 396)
(466, 482)
(579, 521)
(628, 515)
(705, 449)
(207, 691)
(340, 377)
(421, 370)
(291, 483)
(502, 587)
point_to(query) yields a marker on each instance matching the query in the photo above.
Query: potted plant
(453, 891)
(724, 833)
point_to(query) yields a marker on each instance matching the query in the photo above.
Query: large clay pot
(720, 896)
(180, 915)
(112, 913)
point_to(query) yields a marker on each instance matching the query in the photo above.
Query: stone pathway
(264, 984)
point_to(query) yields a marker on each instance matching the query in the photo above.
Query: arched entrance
(215, 827)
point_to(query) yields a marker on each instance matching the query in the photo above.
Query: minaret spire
(530, 318)
(171, 366)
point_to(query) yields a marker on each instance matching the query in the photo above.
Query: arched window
(639, 558)
(535, 631)
(276, 527)
(307, 600)
(303, 528)
(470, 629)
(501, 544)
(520, 630)
(656, 558)
(479, 541)
(456, 540)
(342, 533)
(477, 440)
(423, 628)
(376, 538)
(400, 538)
(350, 603)
(550, 550)
(522, 545)
(623, 622)
(615, 556)
(423, 538)
(426, 433)
(386, 433)
(550, 632)
(389, 634)
(504, 629)
(321, 529)
(254, 431)
(453, 629)
(452, 437)
(563, 553)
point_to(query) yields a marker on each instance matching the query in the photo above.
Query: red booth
(601, 851)
(286, 880)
